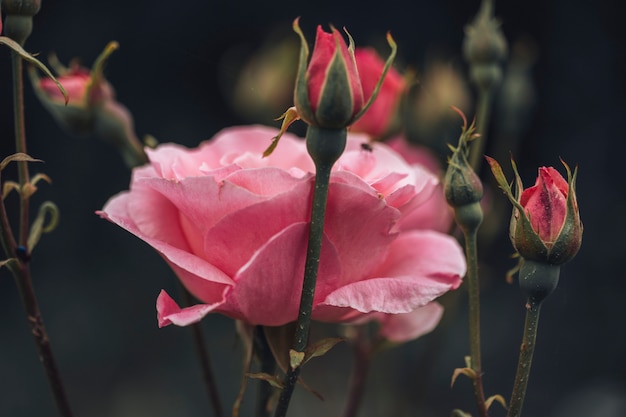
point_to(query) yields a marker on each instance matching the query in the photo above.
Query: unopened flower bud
(545, 225)
(484, 47)
(18, 23)
(462, 187)
(328, 90)
(92, 107)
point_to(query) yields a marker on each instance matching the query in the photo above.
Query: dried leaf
(273, 380)
(16, 157)
(320, 348)
(468, 372)
(499, 398)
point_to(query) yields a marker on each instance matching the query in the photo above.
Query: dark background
(97, 285)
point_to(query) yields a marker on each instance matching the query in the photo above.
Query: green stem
(483, 113)
(525, 359)
(474, 318)
(325, 146)
(202, 353)
(20, 143)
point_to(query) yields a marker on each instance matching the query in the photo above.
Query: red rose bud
(545, 225)
(382, 115)
(328, 91)
(87, 90)
(91, 107)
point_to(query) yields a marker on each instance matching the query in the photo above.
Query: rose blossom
(234, 225)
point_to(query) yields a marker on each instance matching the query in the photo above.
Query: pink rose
(379, 118)
(233, 226)
(328, 94)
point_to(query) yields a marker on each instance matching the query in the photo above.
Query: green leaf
(47, 209)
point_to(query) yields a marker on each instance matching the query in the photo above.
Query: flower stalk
(18, 250)
(464, 190)
(537, 281)
(484, 49)
(325, 146)
(18, 26)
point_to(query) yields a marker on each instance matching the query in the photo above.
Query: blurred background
(182, 69)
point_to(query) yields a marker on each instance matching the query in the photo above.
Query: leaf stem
(325, 146)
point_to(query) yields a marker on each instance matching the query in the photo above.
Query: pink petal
(268, 288)
(154, 219)
(401, 328)
(168, 312)
(231, 242)
(420, 266)
(359, 225)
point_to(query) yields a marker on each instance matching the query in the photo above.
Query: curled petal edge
(169, 312)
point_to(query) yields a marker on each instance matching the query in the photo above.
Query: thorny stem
(204, 359)
(525, 359)
(474, 319)
(325, 146)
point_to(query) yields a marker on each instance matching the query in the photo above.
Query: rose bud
(462, 187)
(328, 91)
(92, 107)
(86, 88)
(545, 225)
(382, 116)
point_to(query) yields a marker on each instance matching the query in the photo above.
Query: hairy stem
(525, 359)
(20, 143)
(474, 319)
